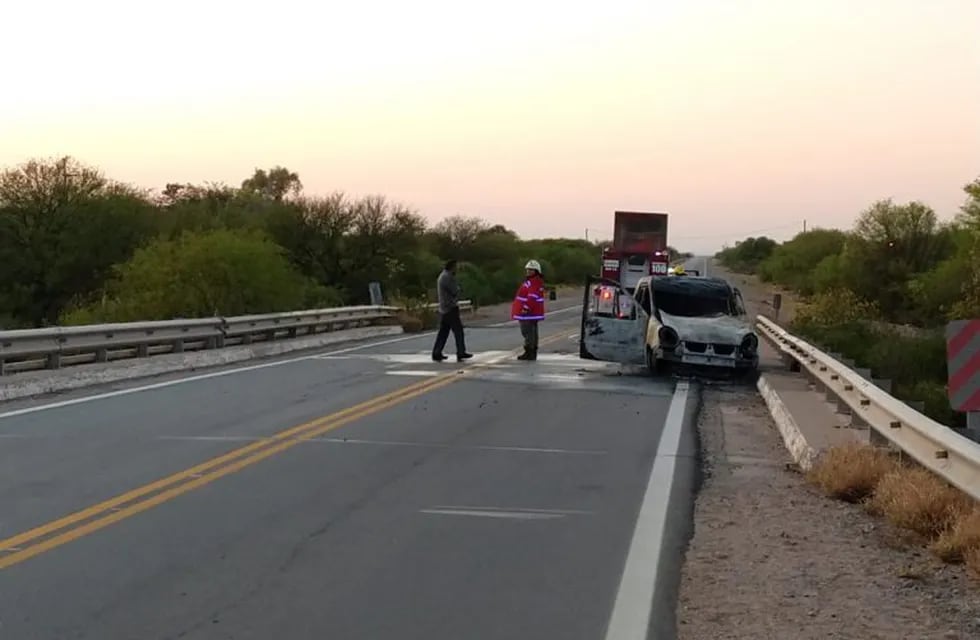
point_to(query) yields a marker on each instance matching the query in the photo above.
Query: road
(364, 492)
(699, 264)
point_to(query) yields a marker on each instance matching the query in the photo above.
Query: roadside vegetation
(911, 498)
(882, 292)
(77, 247)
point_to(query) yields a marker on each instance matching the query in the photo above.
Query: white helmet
(533, 264)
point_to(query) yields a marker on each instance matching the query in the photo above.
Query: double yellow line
(51, 535)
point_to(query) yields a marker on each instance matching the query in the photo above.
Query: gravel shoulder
(771, 558)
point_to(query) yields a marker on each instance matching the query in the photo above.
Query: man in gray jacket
(449, 319)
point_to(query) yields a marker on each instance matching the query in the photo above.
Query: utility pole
(804, 225)
(586, 234)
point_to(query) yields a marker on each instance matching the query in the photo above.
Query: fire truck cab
(638, 250)
(628, 267)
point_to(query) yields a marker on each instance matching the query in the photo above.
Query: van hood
(719, 329)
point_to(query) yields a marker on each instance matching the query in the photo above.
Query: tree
(746, 255)
(62, 227)
(314, 233)
(892, 244)
(456, 236)
(201, 275)
(970, 211)
(794, 263)
(274, 184)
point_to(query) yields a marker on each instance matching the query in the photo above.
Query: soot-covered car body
(691, 321)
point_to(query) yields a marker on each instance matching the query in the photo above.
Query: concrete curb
(803, 454)
(27, 385)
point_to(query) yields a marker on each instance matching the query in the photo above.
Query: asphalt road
(365, 492)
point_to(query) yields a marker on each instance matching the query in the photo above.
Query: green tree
(274, 184)
(315, 234)
(892, 244)
(204, 274)
(382, 233)
(62, 227)
(748, 254)
(794, 263)
(970, 211)
(459, 236)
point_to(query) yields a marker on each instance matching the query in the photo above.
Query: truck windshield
(693, 306)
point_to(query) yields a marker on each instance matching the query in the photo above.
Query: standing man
(448, 291)
(528, 309)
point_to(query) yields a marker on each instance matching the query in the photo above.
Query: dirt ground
(771, 558)
(758, 295)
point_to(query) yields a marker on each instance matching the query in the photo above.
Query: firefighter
(528, 308)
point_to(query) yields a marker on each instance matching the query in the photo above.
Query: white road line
(474, 447)
(413, 372)
(218, 374)
(548, 313)
(513, 515)
(568, 512)
(630, 617)
(399, 443)
(214, 438)
(204, 376)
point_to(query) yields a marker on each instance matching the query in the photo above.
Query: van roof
(707, 287)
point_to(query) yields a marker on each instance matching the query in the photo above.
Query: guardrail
(56, 347)
(932, 444)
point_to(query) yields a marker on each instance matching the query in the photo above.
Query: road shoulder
(771, 558)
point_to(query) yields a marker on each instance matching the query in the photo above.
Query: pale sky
(737, 117)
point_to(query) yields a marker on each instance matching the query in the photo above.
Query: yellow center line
(94, 518)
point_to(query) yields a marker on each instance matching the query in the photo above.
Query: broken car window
(693, 306)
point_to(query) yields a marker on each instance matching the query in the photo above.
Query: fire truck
(639, 248)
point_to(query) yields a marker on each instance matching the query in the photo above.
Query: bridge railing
(932, 444)
(56, 347)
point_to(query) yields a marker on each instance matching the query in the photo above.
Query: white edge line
(630, 617)
(514, 509)
(224, 372)
(512, 515)
(204, 376)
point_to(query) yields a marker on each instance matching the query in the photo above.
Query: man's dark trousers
(449, 321)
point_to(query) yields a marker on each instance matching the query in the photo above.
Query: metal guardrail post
(933, 445)
(973, 425)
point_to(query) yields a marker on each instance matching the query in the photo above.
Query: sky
(736, 117)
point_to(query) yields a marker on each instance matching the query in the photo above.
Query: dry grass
(972, 559)
(961, 538)
(915, 499)
(923, 507)
(410, 323)
(851, 472)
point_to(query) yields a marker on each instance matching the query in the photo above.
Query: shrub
(747, 255)
(204, 274)
(851, 472)
(917, 500)
(961, 538)
(794, 263)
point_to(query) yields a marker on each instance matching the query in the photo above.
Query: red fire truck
(639, 248)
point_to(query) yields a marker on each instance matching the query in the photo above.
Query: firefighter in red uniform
(528, 309)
